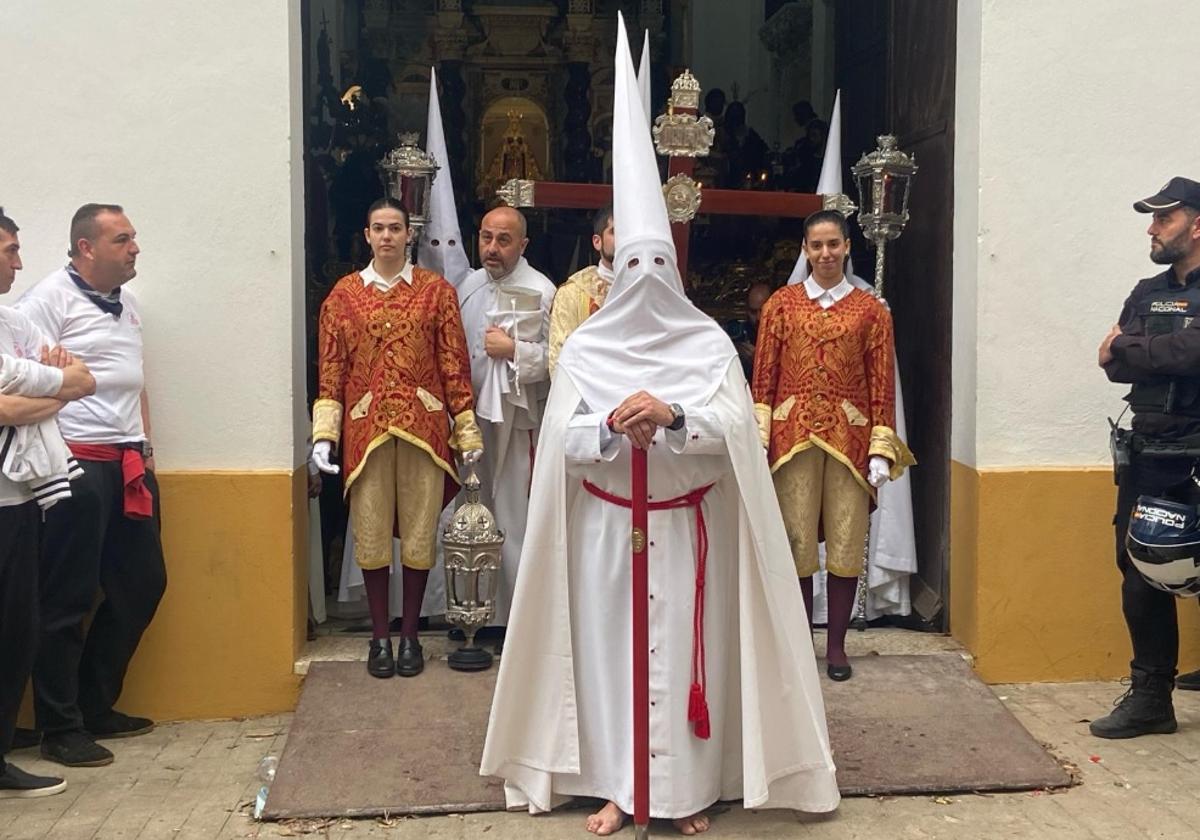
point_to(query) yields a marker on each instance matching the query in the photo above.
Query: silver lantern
(471, 544)
(883, 178)
(408, 173)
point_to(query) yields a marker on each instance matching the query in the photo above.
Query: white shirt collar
(827, 297)
(606, 274)
(371, 276)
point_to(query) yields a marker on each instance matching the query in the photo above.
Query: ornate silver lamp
(471, 544)
(408, 172)
(883, 178)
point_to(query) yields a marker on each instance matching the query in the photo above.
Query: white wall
(1074, 110)
(189, 115)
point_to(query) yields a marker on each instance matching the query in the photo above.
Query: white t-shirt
(21, 344)
(111, 347)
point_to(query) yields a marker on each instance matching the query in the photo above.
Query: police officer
(1155, 347)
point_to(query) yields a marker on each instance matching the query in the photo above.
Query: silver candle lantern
(408, 172)
(883, 178)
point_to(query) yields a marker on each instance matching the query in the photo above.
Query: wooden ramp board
(360, 746)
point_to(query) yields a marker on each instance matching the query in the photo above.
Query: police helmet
(1164, 544)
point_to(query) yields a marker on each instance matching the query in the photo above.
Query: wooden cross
(681, 135)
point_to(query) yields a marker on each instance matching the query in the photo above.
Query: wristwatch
(677, 417)
(147, 449)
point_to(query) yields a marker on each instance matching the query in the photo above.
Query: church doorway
(528, 86)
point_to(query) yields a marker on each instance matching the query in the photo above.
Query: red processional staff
(641, 648)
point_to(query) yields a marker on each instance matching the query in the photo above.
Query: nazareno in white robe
(561, 718)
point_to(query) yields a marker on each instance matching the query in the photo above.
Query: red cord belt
(697, 695)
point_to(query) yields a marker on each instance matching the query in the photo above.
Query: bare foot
(608, 819)
(695, 824)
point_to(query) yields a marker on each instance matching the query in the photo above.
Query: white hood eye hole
(633, 262)
(433, 242)
(659, 261)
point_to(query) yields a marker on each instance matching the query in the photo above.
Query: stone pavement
(196, 781)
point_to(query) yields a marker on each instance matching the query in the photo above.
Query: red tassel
(698, 712)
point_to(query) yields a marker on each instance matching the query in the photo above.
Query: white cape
(776, 752)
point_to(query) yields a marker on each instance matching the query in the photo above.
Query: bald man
(506, 314)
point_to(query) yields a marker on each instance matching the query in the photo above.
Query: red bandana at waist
(139, 504)
(697, 696)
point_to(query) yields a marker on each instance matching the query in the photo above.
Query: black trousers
(1149, 613)
(18, 611)
(90, 547)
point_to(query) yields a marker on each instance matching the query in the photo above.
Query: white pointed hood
(829, 183)
(643, 76)
(440, 248)
(647, 335)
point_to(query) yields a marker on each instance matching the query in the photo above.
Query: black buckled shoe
(74, 749)
(379, 660)
(410, 659)
(118, 725)
(1189, 681)
(1145, 709)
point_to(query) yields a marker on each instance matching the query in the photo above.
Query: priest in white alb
(735, 708)
(506, 315)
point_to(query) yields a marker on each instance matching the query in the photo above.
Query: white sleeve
(702, 434)
(588, 439)
(27, 378)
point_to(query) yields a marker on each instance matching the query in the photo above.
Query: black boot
(1145, 709)
(379, 660)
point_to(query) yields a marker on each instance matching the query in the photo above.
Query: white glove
(320, 457)
(472, 456)
(878, 471)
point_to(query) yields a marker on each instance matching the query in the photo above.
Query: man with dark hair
(105, 538)
(36, 381)
(584, 291)
(1155, 347)
(824, 396)
(395, 397)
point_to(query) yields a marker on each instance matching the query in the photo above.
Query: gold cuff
(762, 416)
(327, 420)
(887, 443)
(466, 435)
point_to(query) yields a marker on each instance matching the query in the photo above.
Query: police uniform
(1158, 347)
(1158, 353)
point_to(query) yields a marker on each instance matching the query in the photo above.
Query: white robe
(561, 724)
(512, 394)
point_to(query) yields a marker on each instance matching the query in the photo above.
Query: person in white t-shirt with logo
(36, 381)
(106, 536)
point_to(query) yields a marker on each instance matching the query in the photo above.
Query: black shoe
(1145, 709)
(15, 783)
(24, 738)
(379, 660)
(74, 749)
(1188, 682)
(839, 673)
(117, 725)
(410, 659)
